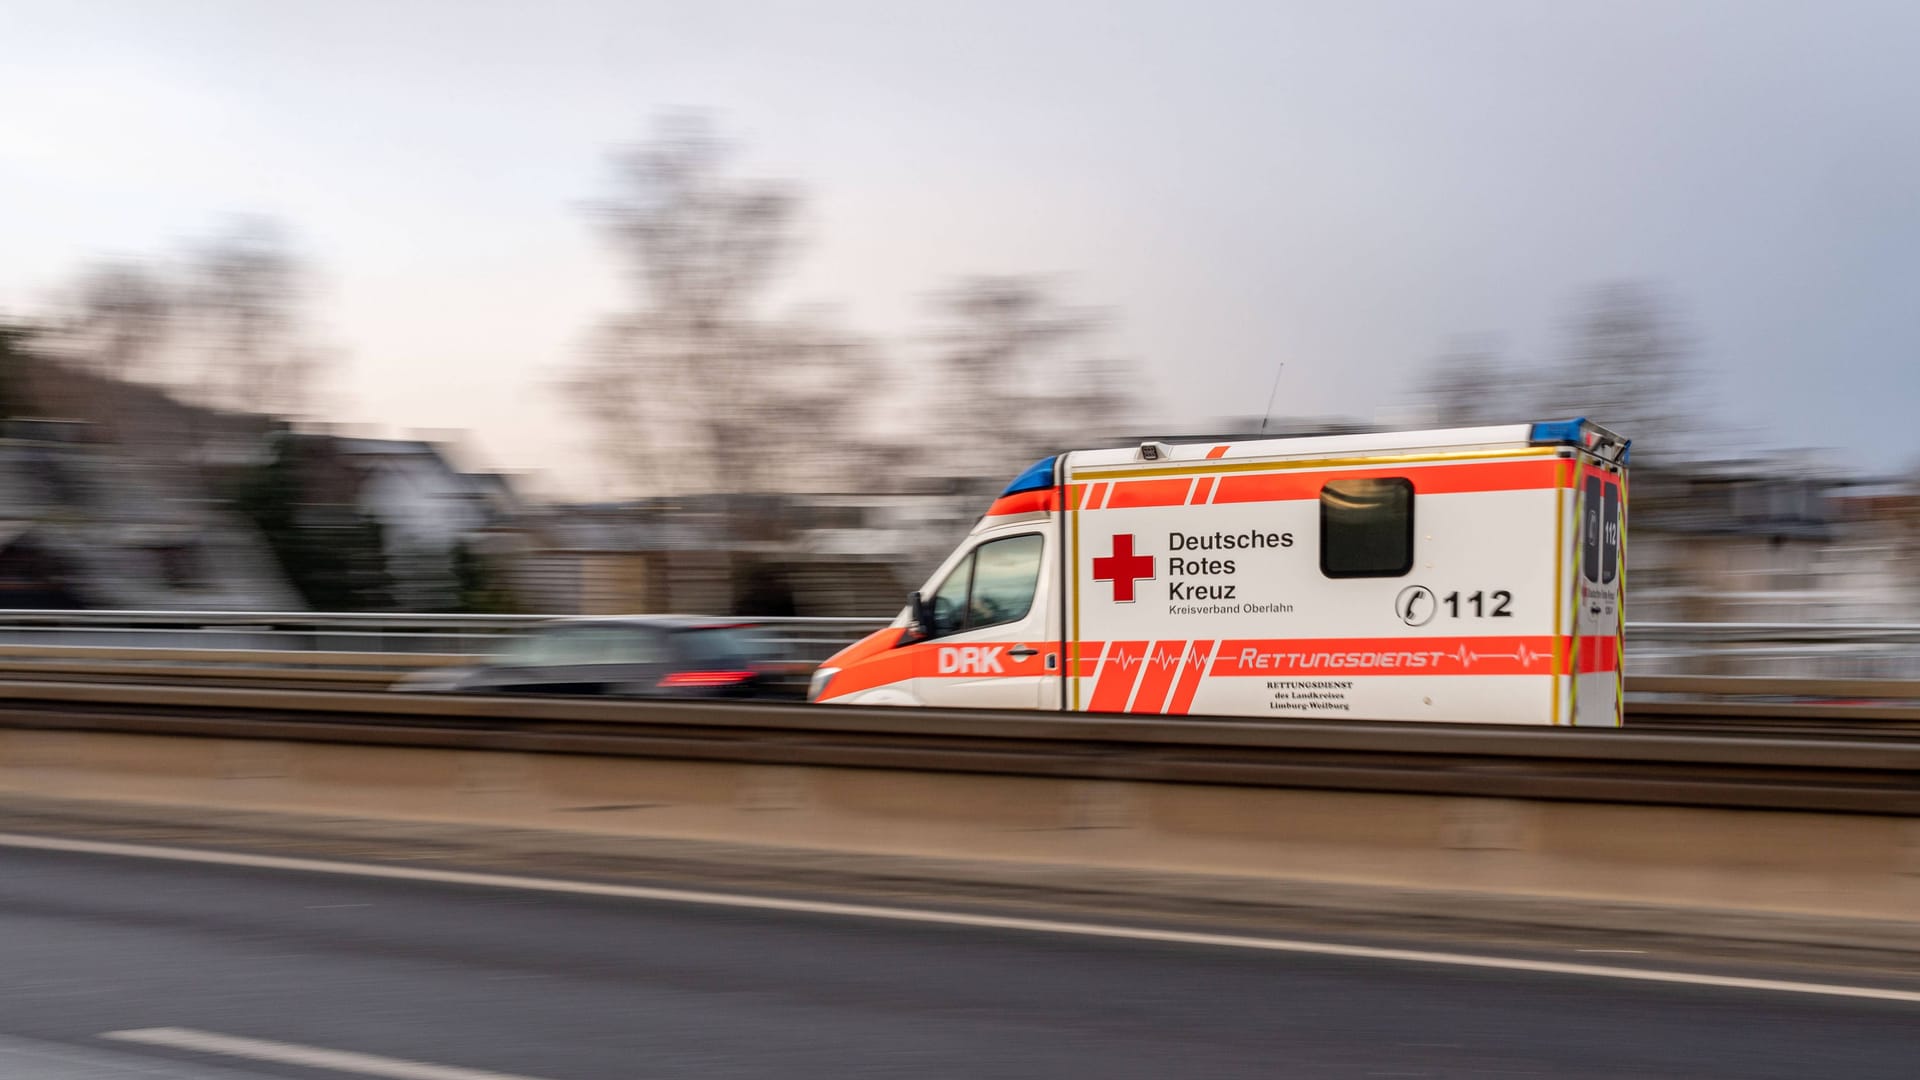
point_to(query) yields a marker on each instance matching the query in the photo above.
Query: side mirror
(922, 616)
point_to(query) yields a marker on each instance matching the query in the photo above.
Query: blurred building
(1876, 553)
(430, 514)
(134, 499)
(1775, 541)
(85, 524)
(691, 555)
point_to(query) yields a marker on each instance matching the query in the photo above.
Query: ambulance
(1472, 575)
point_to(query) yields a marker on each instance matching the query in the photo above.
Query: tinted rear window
(722, 645)
(1366, 527)
(583, 645)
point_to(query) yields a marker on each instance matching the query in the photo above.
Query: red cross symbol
(1123, 568)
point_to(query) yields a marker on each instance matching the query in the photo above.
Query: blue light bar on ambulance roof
(1578, 432)
(1549, 432)
(1038, 477)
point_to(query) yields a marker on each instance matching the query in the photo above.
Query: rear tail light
(705, 678)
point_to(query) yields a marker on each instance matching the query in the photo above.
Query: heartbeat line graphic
(1163, 658)
(1474, 656)
(1523, 655)
(1207, 659)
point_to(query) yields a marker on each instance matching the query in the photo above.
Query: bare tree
(1017, 375)
(108, 330)
(1470, 384)
(15, 365)
(693, 386)
(1627, 366)
(795, 427)
(121, 321)
(244, 293)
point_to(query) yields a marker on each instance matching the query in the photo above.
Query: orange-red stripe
(1162, 662)
(1089, 659)
(1427, 480)
(1598, 654)
(870, 662)
(1217, 452)
(1026, 502)
(1189, 684)
(1119, 670)
(1149, 493)
(1270, 658)
(1282, 486)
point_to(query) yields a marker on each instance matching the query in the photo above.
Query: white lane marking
(948, 918)
(311, 1057)
(22, 1058)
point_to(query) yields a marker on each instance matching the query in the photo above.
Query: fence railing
(1780, 650)
(1787, 675)
(351, 632)
(1808, 650)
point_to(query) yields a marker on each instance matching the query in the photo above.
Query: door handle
(1023, 652)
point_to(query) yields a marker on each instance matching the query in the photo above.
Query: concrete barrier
(1474, 857)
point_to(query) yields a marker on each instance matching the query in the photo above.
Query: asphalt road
(424, 980)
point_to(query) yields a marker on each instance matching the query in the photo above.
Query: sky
(1338, 187)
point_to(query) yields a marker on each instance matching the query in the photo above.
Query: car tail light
(706, 678)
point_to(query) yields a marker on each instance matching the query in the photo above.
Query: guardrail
(289, 669)
(1757, 704)
(350, 632)
(1649, 642)
(1875, 652)
(433, 624)
(1807, 706)
(1792, 839)
(1870, 651)
(1496, 762)
(369, 649)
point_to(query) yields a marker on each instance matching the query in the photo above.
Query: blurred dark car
(631, 657)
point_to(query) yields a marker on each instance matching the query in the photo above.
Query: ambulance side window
(994, 584)
(1366, 527)
(950, 601)
(1005, 574)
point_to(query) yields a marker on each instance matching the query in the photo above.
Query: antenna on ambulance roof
(1268, 415)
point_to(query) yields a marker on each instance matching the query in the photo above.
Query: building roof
(107, 516)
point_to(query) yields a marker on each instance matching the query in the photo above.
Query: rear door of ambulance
(1599, 600)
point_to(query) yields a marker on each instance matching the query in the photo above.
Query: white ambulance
(1473, 575)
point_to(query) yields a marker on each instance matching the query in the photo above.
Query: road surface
(118, 968)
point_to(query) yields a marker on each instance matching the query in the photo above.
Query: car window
(542, 648)
(585, 645)
(630, 645)
(716, 645)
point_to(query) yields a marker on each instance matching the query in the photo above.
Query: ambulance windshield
(994, 584)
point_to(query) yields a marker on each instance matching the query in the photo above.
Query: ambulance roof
(1575, 432)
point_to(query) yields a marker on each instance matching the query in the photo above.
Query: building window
(179, 565)
(1366, 527)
